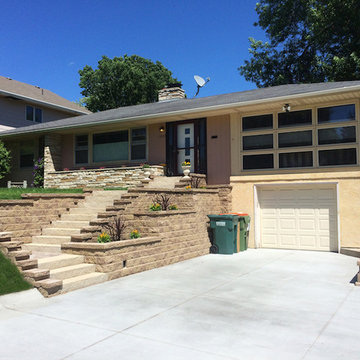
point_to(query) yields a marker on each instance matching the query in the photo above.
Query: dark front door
(186, 141)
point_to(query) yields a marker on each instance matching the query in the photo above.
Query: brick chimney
(171, 92)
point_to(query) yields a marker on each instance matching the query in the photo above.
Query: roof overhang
(200, 111)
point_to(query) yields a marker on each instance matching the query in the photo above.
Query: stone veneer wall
(108, 177)
(167, 236)
(25, 217)
(52, 155)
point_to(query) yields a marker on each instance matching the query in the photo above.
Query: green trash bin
(244, 223)
(242, 231)
(224, 229)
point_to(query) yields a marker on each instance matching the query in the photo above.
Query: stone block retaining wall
(167, 236)
(25, 217)
(108, 177)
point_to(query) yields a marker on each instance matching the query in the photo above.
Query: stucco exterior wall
(156, 145)
(67, 151)
(218, 149)
(13, 113)
(348, 181)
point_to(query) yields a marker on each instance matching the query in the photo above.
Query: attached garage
(300, 217)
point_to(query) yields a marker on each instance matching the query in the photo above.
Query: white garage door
(298, 217)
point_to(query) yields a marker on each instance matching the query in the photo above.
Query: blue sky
(45, 43)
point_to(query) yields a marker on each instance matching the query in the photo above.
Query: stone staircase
(44, 264)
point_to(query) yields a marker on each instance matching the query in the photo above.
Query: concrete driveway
(260, 304)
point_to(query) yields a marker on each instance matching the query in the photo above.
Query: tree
(5, 159)
(122, 81)
(309, 41)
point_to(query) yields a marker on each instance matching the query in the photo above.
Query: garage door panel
(299, 217)
(288, 241)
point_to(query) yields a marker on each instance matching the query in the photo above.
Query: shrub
(115, 228)
(38, 173)
(173, 207)
(135, 234)
(103, 238)
(163, 201)
(4, 160)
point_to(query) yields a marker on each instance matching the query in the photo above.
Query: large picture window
(258, 142)
(336, 113)
(111, 146)
(295, 118)
(250, 123)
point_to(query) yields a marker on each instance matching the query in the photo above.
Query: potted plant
(186, 166)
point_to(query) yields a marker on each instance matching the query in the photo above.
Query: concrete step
(72, 271)
(91, 211)
(55, 231)
(50, 239)
(82, 281)
(63, 260)
(46, 248)
(115, 208)
(77, 217)
(69, 224)
(11, 245)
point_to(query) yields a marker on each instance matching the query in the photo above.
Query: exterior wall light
(162, 129)
(286, 107)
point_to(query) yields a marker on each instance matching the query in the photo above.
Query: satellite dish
(200, 82)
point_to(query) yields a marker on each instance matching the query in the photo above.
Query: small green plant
(173, 207)
(155, 207)
(185, 163)
(145, 166)
(5, 159)
(38, 173)
(104, 238)
(135, 234)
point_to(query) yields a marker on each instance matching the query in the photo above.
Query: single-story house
(291, 153)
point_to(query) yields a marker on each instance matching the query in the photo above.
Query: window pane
(27, 154)
(264, 161)
(138, 152)
(81, 156)
(337, 135)
(30, 113)
(295, 118)
(336, 113)
(297, 138)
(296, 159)
(138, 144)
(257, 122)
(337, 157)
(258, 142)
(81, 140)
(111, 146)
(38, 115)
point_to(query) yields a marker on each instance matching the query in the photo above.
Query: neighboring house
(290, 152)
(24, 105)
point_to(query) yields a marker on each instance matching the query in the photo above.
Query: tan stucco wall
(348, 181)
(218, 149)
(156, 145)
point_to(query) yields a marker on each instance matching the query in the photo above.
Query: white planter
(147, 175)
(186, 171)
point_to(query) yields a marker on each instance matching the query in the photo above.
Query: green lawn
(15, 193)
(11, 279)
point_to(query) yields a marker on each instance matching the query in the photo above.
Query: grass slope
(11, 279)
(15, 193)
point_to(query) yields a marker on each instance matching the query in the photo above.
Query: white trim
(338, 215)
(48, 104)
(257, 218)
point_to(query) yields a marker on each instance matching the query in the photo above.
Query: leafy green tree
(309, 41)
(122, 81)
(5, 159)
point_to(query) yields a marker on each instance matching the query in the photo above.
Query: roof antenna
(200, 82)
